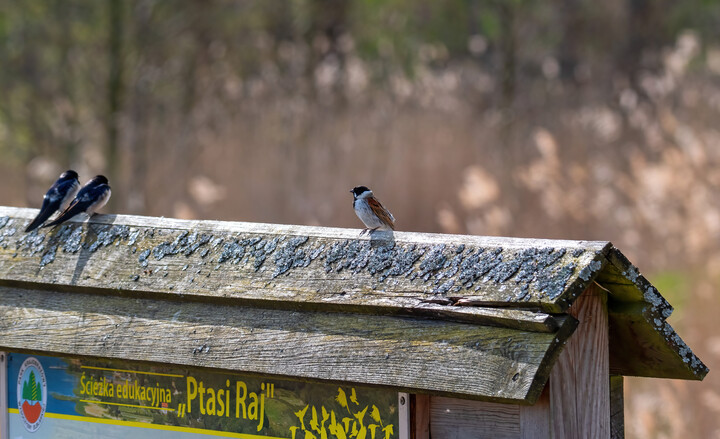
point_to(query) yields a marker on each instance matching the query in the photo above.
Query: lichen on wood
(263, 263)
(484, 285)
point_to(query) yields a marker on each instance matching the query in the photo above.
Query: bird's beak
(350, 191)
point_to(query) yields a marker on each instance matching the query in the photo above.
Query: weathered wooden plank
(643, 343)
(535, 419)
(649, 347)
(579, 391)
(617, 408)
(420, 409)
(506, 282)
(298, 265)
(628, 285)
(410, 354)
(507, 317)
(452, 418)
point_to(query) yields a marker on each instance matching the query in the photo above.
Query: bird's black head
(69, 175)
(357, 190)
(100, 179)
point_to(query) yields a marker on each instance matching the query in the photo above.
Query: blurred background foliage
(556, 119)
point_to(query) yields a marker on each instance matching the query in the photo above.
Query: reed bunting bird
(370, 211)
(57, 198)
(90, 198)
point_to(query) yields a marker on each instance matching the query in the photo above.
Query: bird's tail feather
(60, 219)
(39, 219)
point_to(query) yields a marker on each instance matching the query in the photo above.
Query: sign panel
(52, 397)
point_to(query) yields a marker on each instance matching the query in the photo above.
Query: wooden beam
(642, 341)
(420, 409)
(644, 344)
(507, 317)
(296, 266)
(409, 354)
(521, 284)
(405, 418)
(579, 390)
(617, 407)
(628, 285)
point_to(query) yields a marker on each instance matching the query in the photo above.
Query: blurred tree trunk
(329, 23)
(32, 82)
(69, 147)
(139, 108)
(114, 96)
(644, 35)
(197, 72)
(508, 42)
(199, 17)
(572, 26)
(29, 126)
(484, 58)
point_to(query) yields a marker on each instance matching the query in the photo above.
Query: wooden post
(617, 407)
(4, 421)
(579, 390)
(420, 409)
(405, 416)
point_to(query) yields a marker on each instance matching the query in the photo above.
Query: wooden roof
(467, 316)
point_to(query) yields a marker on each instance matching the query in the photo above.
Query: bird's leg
(365, 230)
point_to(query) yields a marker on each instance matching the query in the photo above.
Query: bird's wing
(382, 213)
(52, 201)
(67, 192)
(84, 199)
(73, 209)
(49, 207)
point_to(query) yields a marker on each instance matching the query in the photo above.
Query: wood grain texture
(420, 409)
(579, 390)
(452, 418)
(409, 354)
(297, 265)
(617, 407)
(535, 420)
(642, 341)
(647, 346)
(511, 283)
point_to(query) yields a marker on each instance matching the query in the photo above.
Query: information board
(52, 397)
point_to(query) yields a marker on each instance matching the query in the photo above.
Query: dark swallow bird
(91, 197)
(57, 198)
(373, 214)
